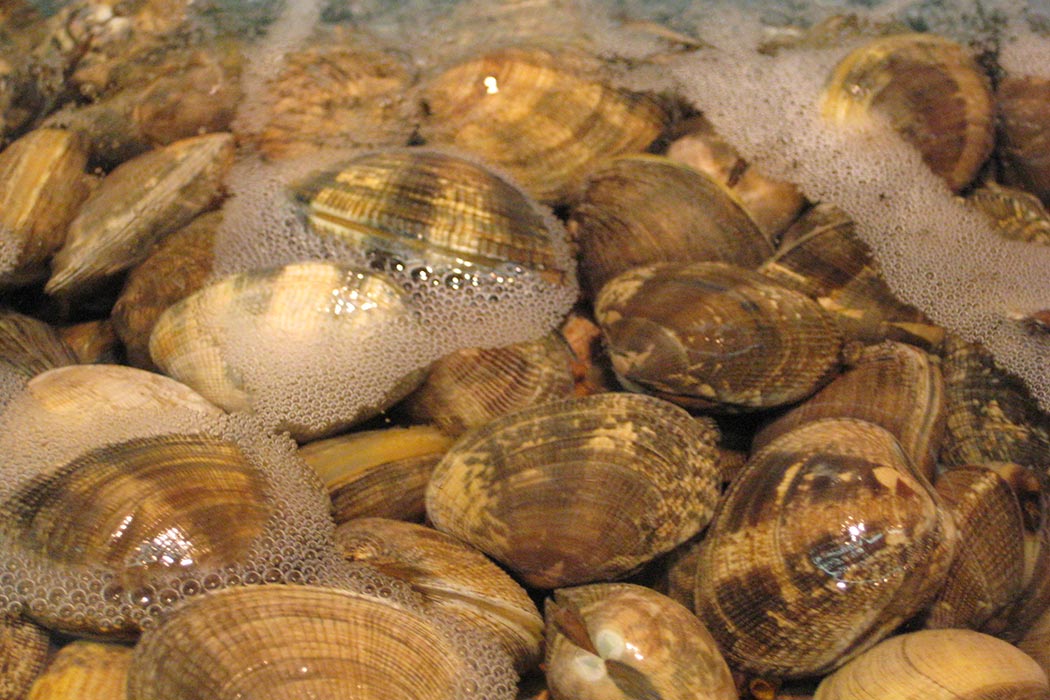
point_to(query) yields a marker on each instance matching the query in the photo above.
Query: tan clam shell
(468, 388)
(137, 204)
(271, 642)
(23, 655)
(452, 577)
(30, 346)
(537, 113)
(578, 490)
(230, 342)
(938, 665)
(826, 542)
(896, 386)
(84, 670)
(611, 640)
(1022, 103)
(929, 89)
(641, 209)
(42, 185)
(378, 473)
(715, 336)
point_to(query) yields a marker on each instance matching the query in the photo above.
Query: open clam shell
(578, 490)
(279, 642)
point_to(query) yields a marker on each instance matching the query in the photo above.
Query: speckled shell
(85, 670)
(176, 267)
(822, 257)
(23, 655)
(430, 206)
(1016, 214)
(377, 473)
(136, 205)
(452, 577)
(578, 490)
(470, 387)
(988, 571)
(931, 91)
(715, 336)
(1022, 105)
(893, 385)
(539, 114)
(938, 665)
(117, 507)
(272, 642)
(633, 639)
(640, 209)
(29, 346)
(826, 542)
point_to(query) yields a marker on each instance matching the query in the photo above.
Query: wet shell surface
(715, 336)
(538, 114)
(826, 542)
(613, 640)
(931, 92)
(230, 341)
(84, 670)
(578, 490)
(30, 346)
(452, 577)
(23, 654)
(641, 209)
(938, 665)
(277, 642)
(1016, 214)
(1022, 103)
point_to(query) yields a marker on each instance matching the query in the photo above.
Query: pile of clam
(418, 459)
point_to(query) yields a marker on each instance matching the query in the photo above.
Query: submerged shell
(938, 665)
(578, 490)
(1023, 103)
(93, 342)
(613, 640)
(1016, 214)
(538, 114)
(826, 542)
(276, 642)
(637, 210)
(931, 92)
(715, 336)
(452, 577)
(23, 654)
(86, 671)
(30, 346)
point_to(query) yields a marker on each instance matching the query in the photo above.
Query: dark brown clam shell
(1023, 106)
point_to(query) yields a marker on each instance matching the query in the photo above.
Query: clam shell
(1022, 103)
(230, 342)
(85, 670)
(611, 640)
(23, 654)
(270, 642)
(929, 89)
(715, 336)
(539, 114)
(136, 205)
(468, 388)
(1016, 214)
(640, 209)
(826, 542)
(452, 577)
(938, 665)
(30, 346)
(578, 490)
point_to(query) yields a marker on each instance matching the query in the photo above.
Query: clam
(136, 205)
(642, 209)
(826, 542)
(23, 654)
(578, 490)
(85, 670)
(1022, 102)
(893, 385)
(377, 473)
(938, 665)
(931, 92)
(230, 341)
(93, 342)
(42, 185)
(452, 577)
(1016, 214)
(715, 336)
(271, 642)
(30, 346)
(540, 114)
(618, 640)
(469, 387)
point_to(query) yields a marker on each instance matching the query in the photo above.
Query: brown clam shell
(539, 114)
(23, 654)
(715, 336)
(826, 542)
(642, 209)
(94, 342)
(452, 577)
(929, 89)
(1022, 104)
(609, 640)
(578, 490)
(30, 346)
(1016, 214)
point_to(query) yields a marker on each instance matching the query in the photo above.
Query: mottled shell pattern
(578, 490)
